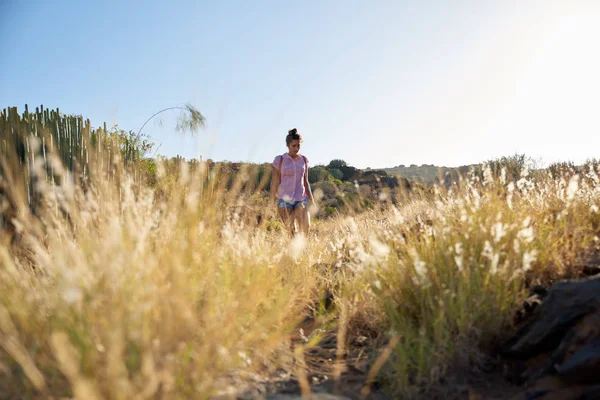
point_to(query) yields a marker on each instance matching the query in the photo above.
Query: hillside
(429, 174)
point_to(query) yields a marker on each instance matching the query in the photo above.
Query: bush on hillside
(337, 163)
(336, 173)
(317, 174)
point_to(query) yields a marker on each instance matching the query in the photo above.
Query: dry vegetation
(110, 292)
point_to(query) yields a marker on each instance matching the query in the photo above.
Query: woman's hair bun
(293, 135)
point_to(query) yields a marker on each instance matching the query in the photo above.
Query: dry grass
(123, 295)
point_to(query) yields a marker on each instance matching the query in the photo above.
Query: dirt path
(320, 367)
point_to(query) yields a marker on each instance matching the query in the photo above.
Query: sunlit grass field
(113, 291)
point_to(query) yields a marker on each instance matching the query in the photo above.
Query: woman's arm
(275, 178)
(307, 188)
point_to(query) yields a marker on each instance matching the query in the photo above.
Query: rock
(591, 269)
(540, 290)
(591, 392)
(558, 352)
(566, 304)
(591, 266)
(582, 367)
(314, 396)
(570, 393)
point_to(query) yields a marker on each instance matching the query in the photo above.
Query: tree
(134, 146)
(514, 165)
(317, 174)
(337, 163)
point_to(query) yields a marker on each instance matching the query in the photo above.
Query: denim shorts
(293, 205)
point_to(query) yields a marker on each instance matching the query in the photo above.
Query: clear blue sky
(376, 83)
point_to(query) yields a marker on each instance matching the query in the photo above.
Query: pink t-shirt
(291, 187)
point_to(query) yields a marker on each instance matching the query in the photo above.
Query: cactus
(69, 137)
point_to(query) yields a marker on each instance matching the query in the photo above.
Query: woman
(290, 182)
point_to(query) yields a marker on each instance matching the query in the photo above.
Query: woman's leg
(287, 218)
(307, 219)
(303, 218)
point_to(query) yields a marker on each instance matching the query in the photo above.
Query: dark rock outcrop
(557, 353)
